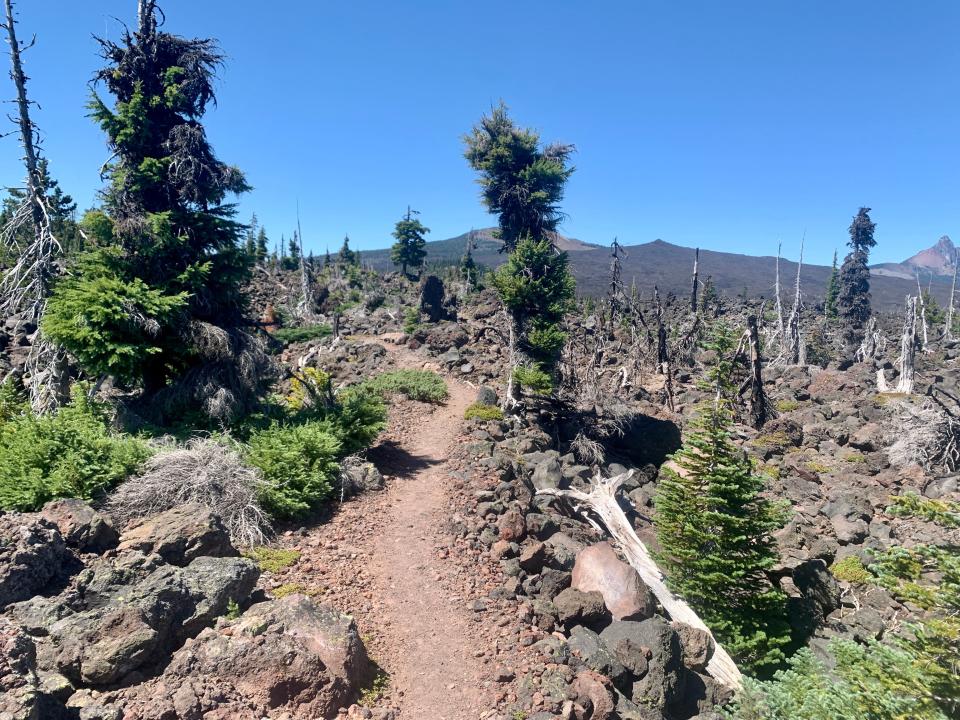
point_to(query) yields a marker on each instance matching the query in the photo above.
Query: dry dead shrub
(204, 472)
(927, 435)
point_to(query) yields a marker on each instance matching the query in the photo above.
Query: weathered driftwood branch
(601, 502)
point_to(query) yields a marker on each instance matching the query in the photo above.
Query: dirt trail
(391, 572)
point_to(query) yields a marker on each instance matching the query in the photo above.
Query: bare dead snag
(948, 330)
(696, 281)
(923, 313)
(795, 344)
(759, 403)
(908, 344)
(781, 329)
(25, 286)
(306, 290)
(602, 510)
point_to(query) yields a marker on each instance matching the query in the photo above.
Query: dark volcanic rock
(179, 535)
(81, 526)
(32, 555)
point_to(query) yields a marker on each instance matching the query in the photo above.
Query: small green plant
(534, 379)
(233, 610)
(777, 440)
(290, 589)
(786, 406)
(300, 464)
(411, 320)
(855, 458)
(942, 512)
(71, 453)
(272, 560)
(377, 689)
(478, 411)
(851, 570)
(302, 334)
(817, 467)
(421, 385)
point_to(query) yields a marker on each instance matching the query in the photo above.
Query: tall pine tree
(853, 299)
(410, 248)
(522, 182)
(346, 256)
(161, 303)
(715, 528)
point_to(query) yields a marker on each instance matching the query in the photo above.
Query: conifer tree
(522, 183)
(346, 256)
(163, 295)
(327, 260)
(833, 291)
(410, 248)
(468, 267)
(715, 529)
(853, 299)
(263, 244)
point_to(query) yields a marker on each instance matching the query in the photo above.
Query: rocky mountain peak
(937, 259)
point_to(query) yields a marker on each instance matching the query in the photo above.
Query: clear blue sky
(723, 125)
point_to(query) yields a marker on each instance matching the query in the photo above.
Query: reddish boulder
(598, 569)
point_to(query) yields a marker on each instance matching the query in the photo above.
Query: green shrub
(478, 411)
(855, 458)
(108, 322)
(272, 560)
(533, 379)
(786, 405)
(421, 385)
(411, 320)
(302, 334)
(299, 465)
(942, 512)
(73, 453)
(851, 570)
(359, 416)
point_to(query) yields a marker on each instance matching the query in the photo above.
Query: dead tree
(663, 354)
(305, 308)
(696, 281)
(795, 344)
(601, 509)
(25, 285)
(923, 313)
(615, 294)
(948, 330)
(908, 343)
(759, 403)
(781, 330)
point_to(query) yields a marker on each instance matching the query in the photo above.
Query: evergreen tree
(853, 298)
(263, 243)
(250, 238)
(523, 182)
(327, 260)
(292, 259)
(468, 267)
(60, 207)
(715, 529)
(833, 291)
(410, 248)
(346, 256)
(168, 242)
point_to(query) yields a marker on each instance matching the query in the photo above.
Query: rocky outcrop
(179, 535)
(598, 569)
(32, 556)
(81, 526)
(289, 654)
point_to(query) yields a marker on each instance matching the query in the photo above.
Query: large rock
(21, 693)
(579, 608)
(598, 569)
(129, 616)
(651, 651)
(81, 526)
(32, 555)
(179, 535)
(289, 654)
(431, 298)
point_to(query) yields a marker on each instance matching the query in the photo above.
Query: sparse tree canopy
(522, 182)
(346, 256)
(171, 237)
(410, 248)
(853, 299)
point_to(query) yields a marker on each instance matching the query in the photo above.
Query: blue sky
(723, 125)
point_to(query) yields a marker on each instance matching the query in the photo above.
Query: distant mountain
(670, 267)
(936, 260)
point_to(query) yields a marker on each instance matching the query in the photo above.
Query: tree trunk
(795, 340)
(696, 281)
(781, 330)
(602, 503)
(923, 313)
(948, 331)
(758, 399)
(908, 344)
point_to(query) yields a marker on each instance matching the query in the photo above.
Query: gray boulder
(32, 554)
(651, 650)
(179, 535)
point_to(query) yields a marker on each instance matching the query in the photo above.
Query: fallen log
(601, 502)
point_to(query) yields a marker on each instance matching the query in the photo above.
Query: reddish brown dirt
(383, 558)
